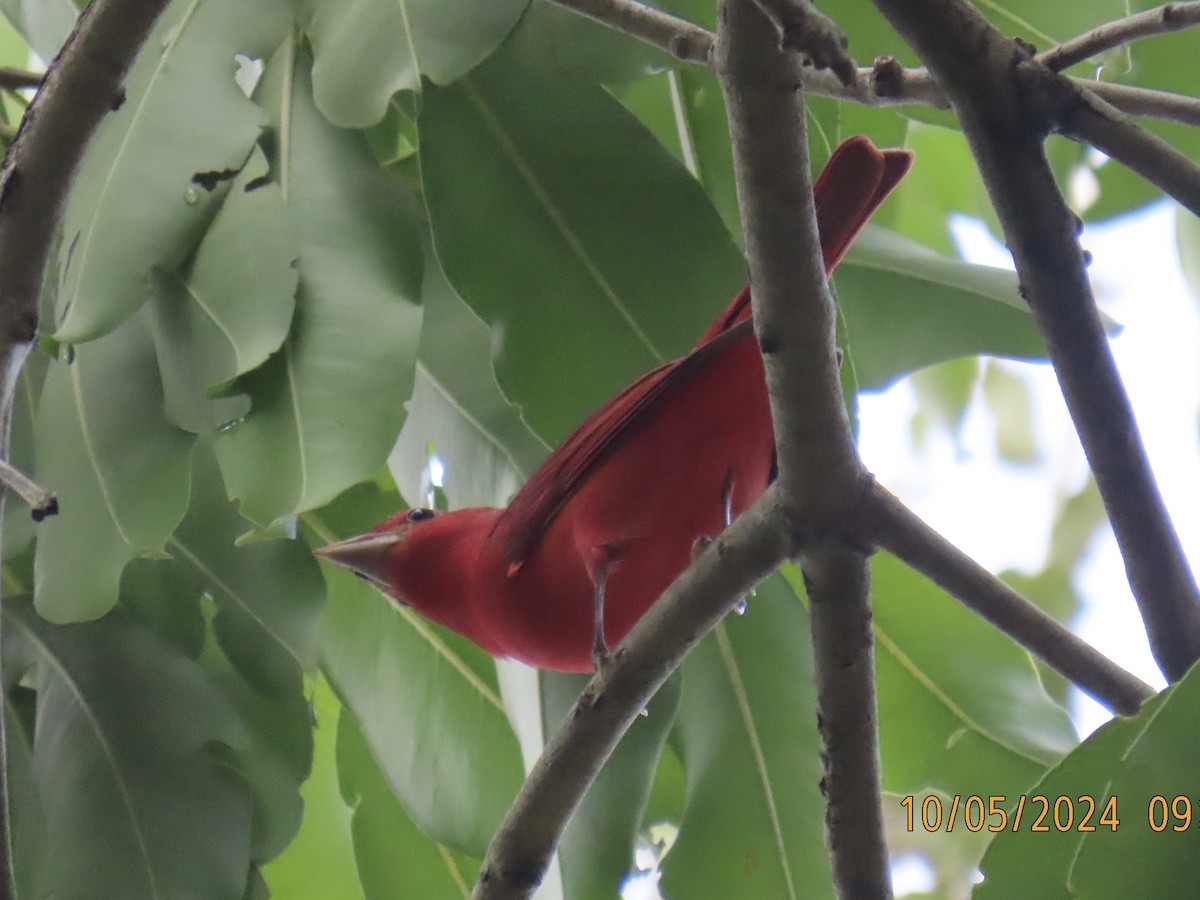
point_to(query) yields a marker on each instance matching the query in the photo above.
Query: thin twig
(40, 501)
(884, 84)
(18, 79)
(676, 36)
(81, 86)
(890, 525)
(820, 473)
(1079, 113)
(1113, 132)
(887, 83)
(1005, 134)
(1140, 101)
(745, 553)
(1172, 17)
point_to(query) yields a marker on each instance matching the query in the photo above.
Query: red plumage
(623, 499)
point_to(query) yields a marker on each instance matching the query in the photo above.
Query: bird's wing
(853, 183)
(534, 507)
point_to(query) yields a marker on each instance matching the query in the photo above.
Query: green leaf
(563, 42)
(702, 117)
(327, 407)
(1132, 761)
(961, 708)
(1163, 63)
(430, 710)
(19, 527)
(667, 793)
(319, 863)
(275, 761)
(137, 803)
(120, 471)
(746, 732)
(943, 181)
(145, 189)
(232, 308)
(268, 596)
(596, 851)
(366, 50)
(1054, 589)
(1041, 24)
(458, 410)
(567, 227)
(269, 593)
(27, 818)
(395, 859)
(45, 24)
(906, 307)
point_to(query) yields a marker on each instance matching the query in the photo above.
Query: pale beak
(363, 555)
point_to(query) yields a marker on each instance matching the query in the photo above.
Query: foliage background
(456, 227)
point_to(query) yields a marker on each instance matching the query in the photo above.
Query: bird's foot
(604, 663)
(600, 654)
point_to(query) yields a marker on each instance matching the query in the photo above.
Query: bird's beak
(363, 555)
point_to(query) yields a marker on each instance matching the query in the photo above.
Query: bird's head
(426, 559)
(378, 556)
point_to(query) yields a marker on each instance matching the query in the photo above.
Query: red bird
(612, 516)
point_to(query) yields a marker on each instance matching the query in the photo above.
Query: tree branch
(884, 84)
(676, 36)
(1005, 137)
(838, 581)
(745, 553)
(1078, 112)
(759, 79)
(820, 474)
(890, 525)
(794, 314)
(1108, 129)
(1172, 17)
(81, 86)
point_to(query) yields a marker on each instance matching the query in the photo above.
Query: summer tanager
(616, 512)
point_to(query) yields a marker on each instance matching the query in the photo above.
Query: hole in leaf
(249, 70)
(209, 180)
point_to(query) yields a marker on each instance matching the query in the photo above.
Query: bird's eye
(420, 515)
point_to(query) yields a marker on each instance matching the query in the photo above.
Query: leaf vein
(90, 449)
(298, 416)
(402, 7)
(422, 628)
(556, 217)
(169, 45)
(101, 741)
(756, 747)
(942, 697)
(233, 595)
(471, 420)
